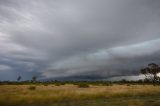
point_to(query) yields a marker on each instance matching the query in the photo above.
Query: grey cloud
(59, 38)
(120, 61)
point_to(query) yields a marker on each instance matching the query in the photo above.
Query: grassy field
(71, 95)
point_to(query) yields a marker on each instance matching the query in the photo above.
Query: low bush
(58, 84)
(83, 85)
(128, 85)
(32, 88)
(107, 84)
(45, 84)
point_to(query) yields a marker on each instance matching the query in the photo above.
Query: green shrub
(32, 88)
(45, 84)
(58, 84)
(128, 85)
(107, 84)
(83, 85)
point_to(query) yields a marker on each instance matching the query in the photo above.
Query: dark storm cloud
(91, 38)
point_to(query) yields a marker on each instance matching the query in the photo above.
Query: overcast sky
(80, 39)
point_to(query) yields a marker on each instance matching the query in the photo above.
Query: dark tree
(151, 72)
(34, 78)
(19, 78)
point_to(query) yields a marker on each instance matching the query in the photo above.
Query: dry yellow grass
(16, 95)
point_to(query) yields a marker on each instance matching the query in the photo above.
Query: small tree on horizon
(34, 78)
(151, 72)
(19, 78)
